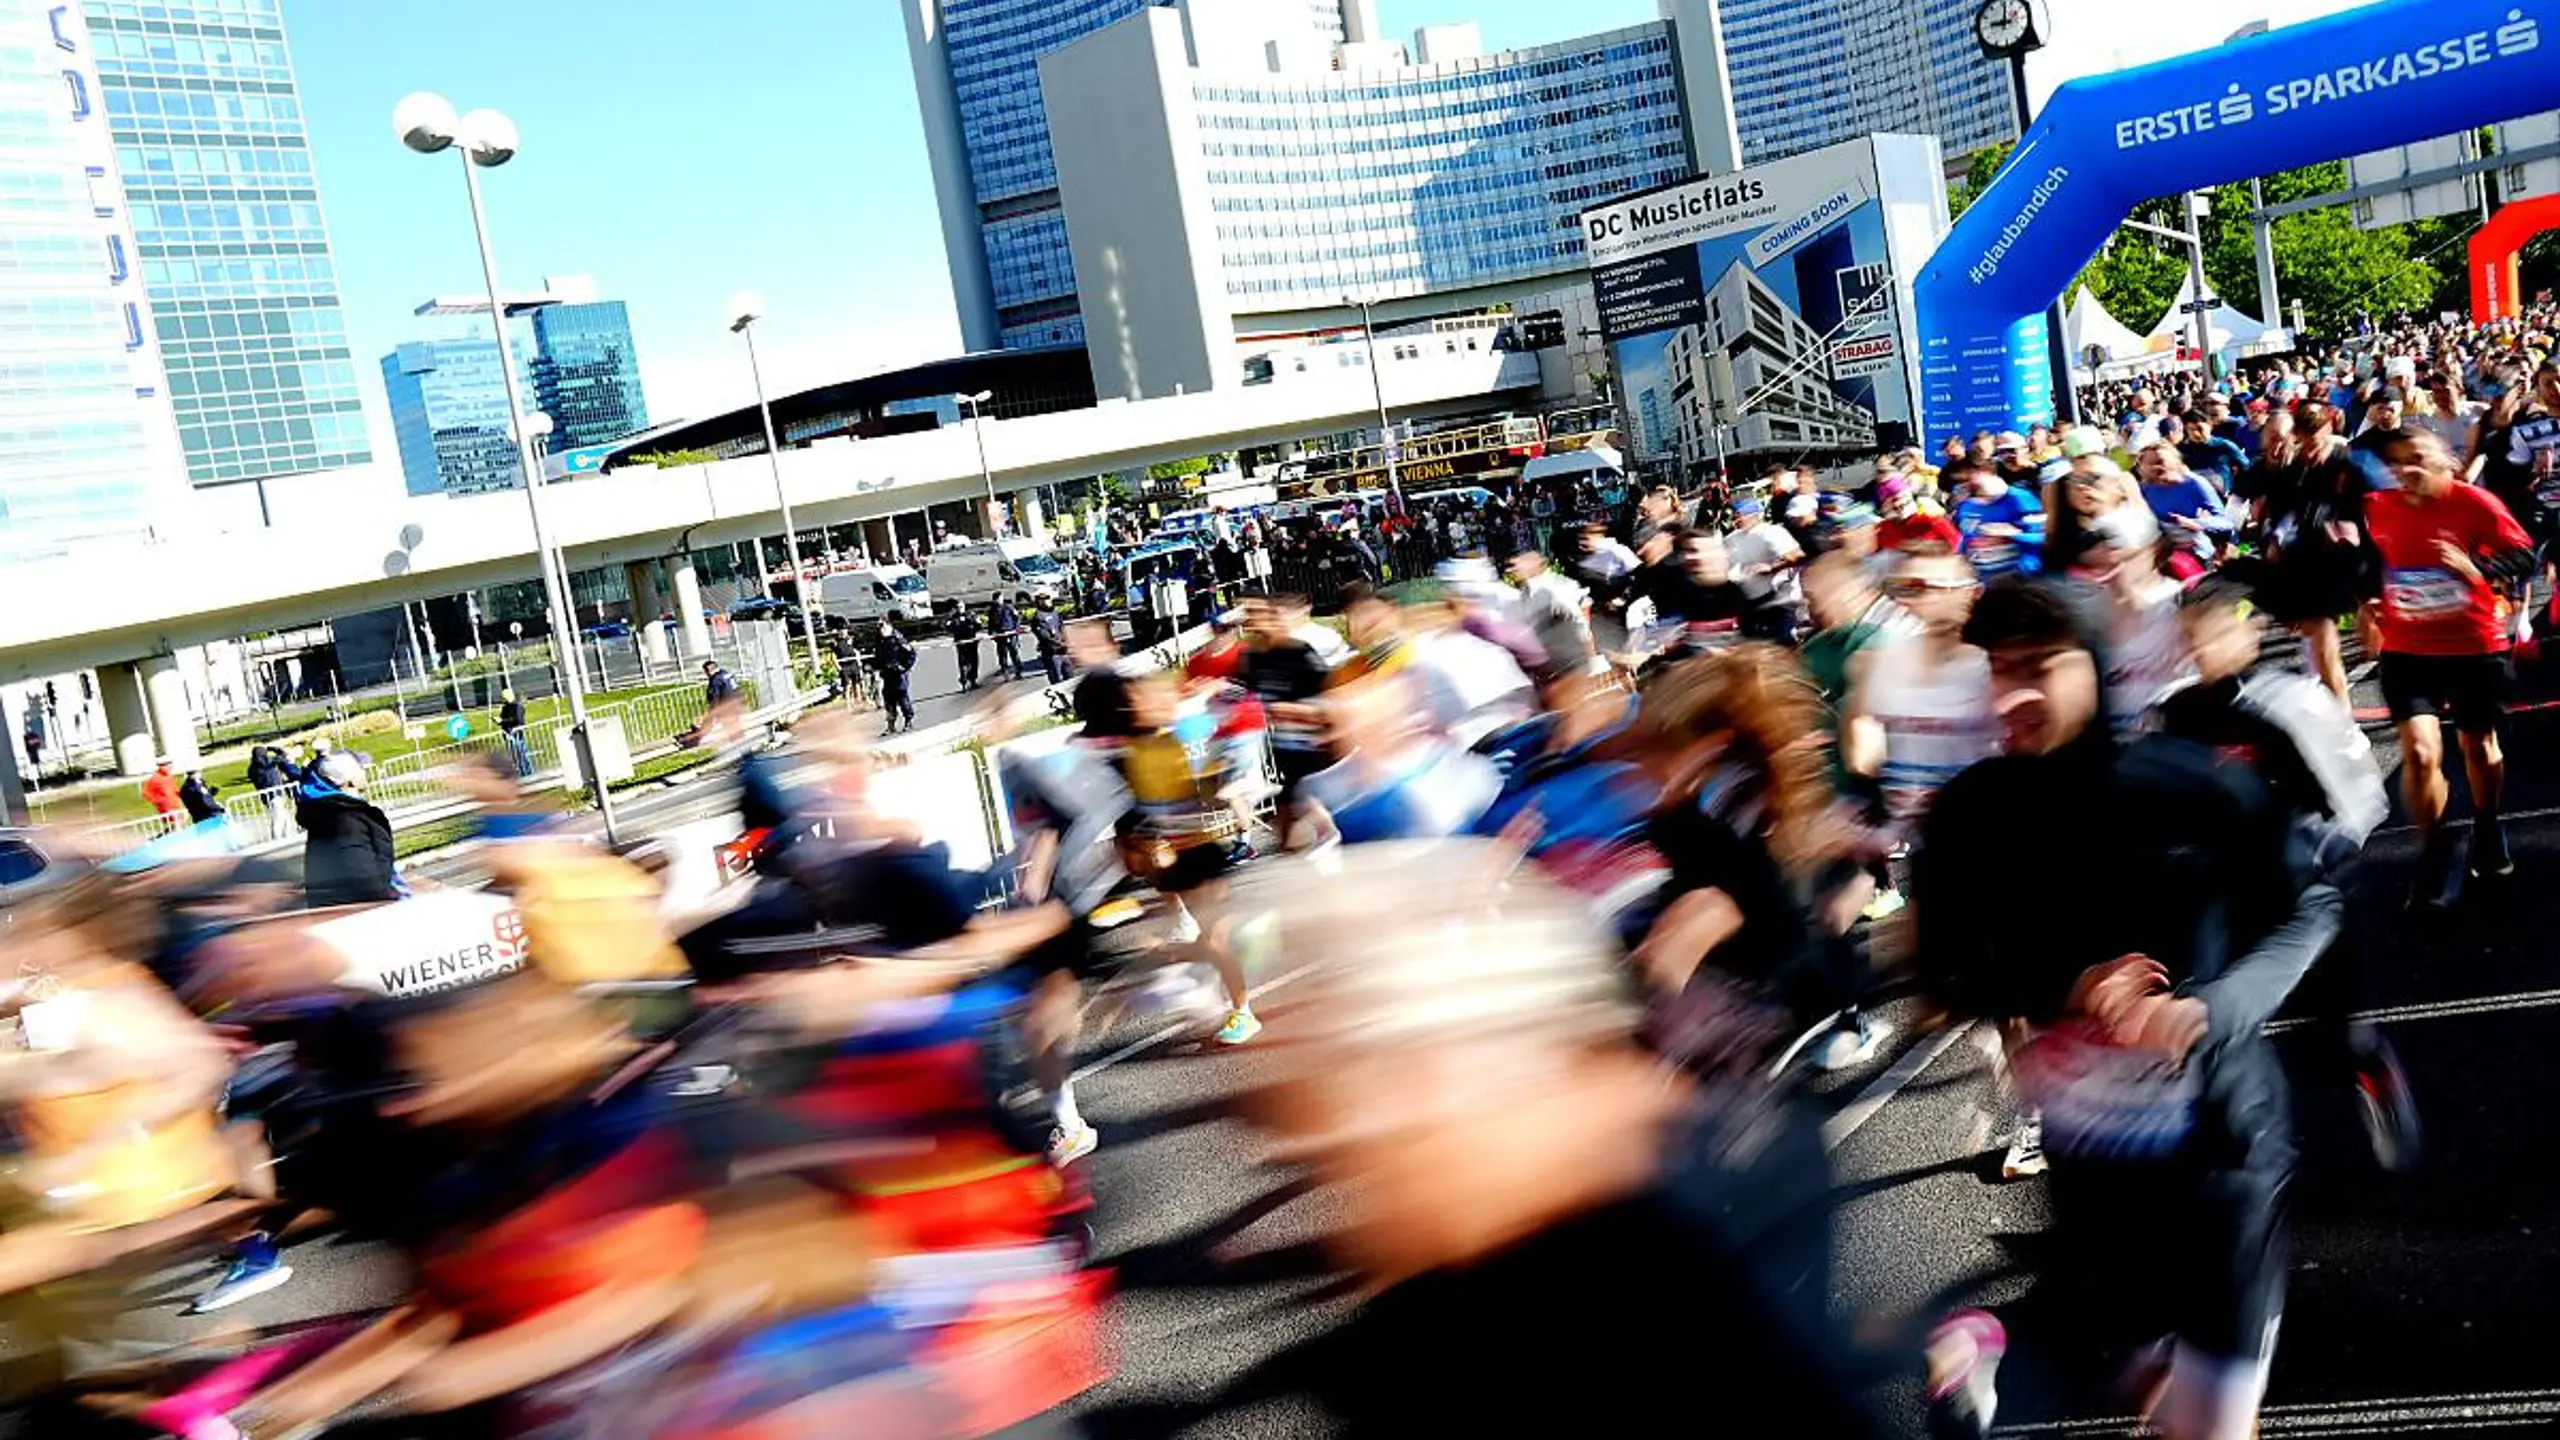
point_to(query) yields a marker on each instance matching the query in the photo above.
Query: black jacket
(511, 716)
(346, 855)
(1050, 629)
(197, 796)
(893, 655)
(2154, 850)
(269, 769)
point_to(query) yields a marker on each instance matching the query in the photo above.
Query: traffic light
(51, 705)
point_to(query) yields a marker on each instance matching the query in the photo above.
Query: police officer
(964, 646)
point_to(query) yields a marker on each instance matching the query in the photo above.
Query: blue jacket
(2189, 496)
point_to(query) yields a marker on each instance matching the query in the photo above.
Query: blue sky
(679, 151)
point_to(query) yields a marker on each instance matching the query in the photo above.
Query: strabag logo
(2519, 36)
(1989, 265)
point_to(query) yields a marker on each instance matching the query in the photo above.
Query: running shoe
(2489, 857)
(2388, 1109)
(1240, 1027)
(255, 1269)
(1854, 1042)
(1964, 1353)
(2025, 1159)
(2438, 883)
(1886, 904)
(1066, 1146)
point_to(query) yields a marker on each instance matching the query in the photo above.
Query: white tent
(2087, 323)
(2227, 331)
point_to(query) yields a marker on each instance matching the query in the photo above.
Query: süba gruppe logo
(2434, 60)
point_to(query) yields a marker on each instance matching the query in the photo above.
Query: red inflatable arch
(2494, 276)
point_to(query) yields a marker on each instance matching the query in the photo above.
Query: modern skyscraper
(1805, 76)
(586, 373)
(87, 445)
(209, 140)
(1223, 193)
(574, 361)
(978, 86)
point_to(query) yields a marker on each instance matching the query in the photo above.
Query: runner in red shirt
(2446, 548)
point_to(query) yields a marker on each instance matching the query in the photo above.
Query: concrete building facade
(1222, 199)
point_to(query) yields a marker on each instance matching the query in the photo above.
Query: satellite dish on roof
(411, 537)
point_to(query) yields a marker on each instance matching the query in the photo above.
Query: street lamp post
(745, 309)
(978, 428)
(538, 426)
(427, 123)
(1378, 389)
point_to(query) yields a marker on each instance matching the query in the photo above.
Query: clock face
(2002, 24)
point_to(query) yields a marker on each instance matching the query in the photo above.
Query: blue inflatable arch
(2382, 75)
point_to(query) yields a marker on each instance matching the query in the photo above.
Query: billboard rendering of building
(1767, 312)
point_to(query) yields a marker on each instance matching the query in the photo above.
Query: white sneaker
(1186, 929)
(1851, 1044)
(2025, 1159)
(1066, 1147)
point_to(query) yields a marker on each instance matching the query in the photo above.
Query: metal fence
(416, 779)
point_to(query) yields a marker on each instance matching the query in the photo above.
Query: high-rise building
(574, 362)
(978, 86)
(1219, 196)
(586, 373)
(87, 444)
(1805, 76)
(210, 143)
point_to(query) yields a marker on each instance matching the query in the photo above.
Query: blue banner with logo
(2382, 75)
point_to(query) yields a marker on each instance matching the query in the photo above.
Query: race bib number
(1993, 554)
(2107, 1102)
(2425, 593)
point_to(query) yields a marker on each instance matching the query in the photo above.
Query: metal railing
(416, 780)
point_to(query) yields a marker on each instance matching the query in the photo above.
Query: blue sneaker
(1240, 1027)
(256, 1268)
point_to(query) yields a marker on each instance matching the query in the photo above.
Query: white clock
(2006, 27)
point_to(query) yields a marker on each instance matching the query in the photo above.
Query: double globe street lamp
(428, 123)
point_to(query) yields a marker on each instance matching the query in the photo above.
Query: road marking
(1150, 1041)
(2440, 1009)
(2500, 1409)
(2545, 813)
(1880, 1091)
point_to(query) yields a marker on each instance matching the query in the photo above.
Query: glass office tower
(586, 374)
(209, 140)
(977, 68)
(1805, 76)
(574, 361)
(87, 447)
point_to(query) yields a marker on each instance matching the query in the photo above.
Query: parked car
(25, 867)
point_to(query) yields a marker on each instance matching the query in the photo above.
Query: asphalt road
(2417, 1302)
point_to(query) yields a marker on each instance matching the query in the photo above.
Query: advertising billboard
(1766, 314)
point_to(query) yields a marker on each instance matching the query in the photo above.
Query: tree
(1978, 170)
(1170, 470)
(2334, 269)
